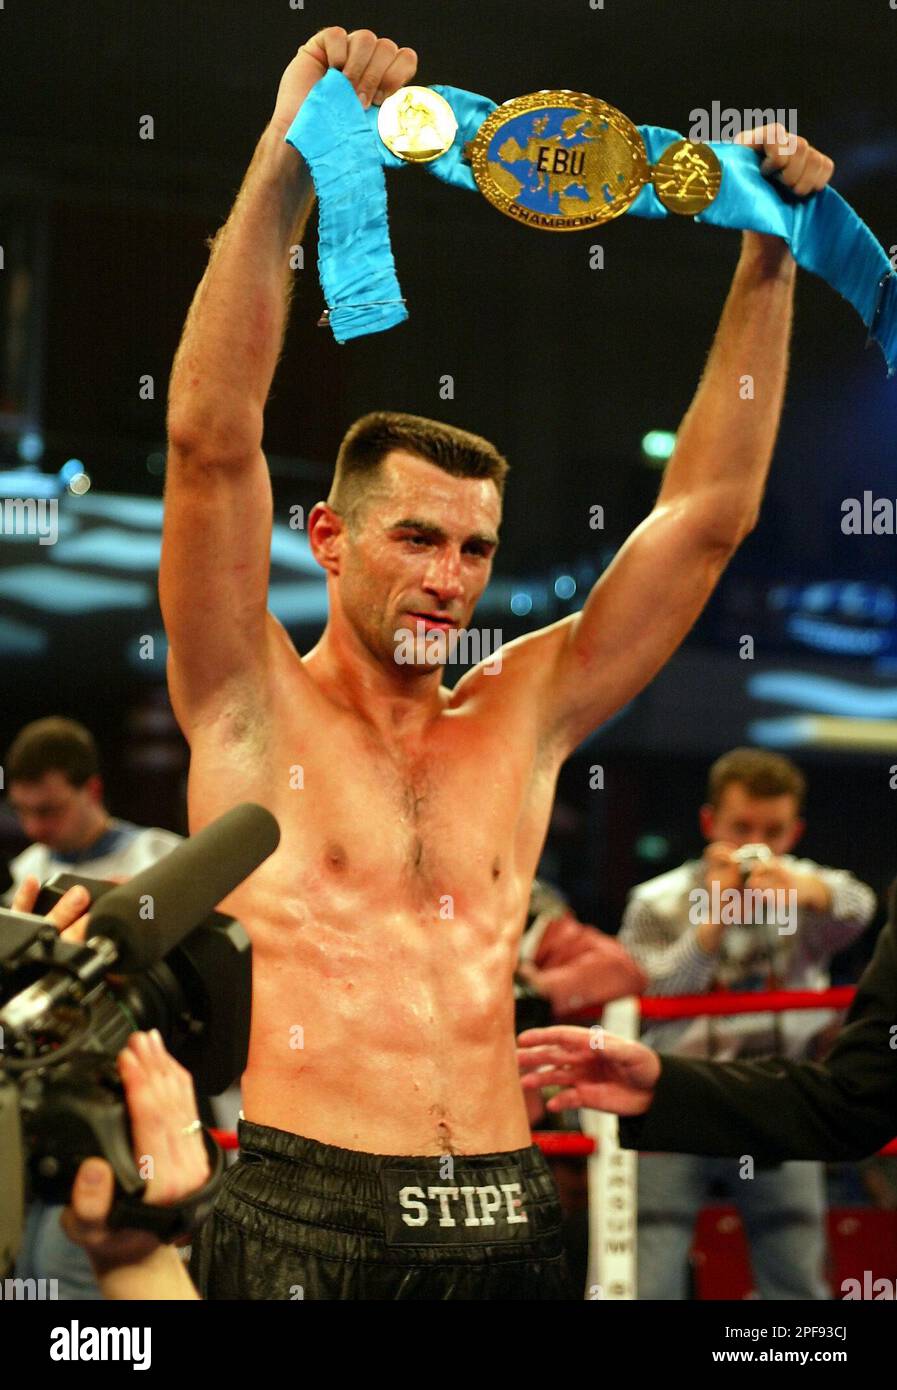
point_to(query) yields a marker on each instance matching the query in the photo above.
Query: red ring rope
(731, 1002)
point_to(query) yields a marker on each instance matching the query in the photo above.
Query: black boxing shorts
(297, 1219)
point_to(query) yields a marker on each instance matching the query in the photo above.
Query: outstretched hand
(596, 1070)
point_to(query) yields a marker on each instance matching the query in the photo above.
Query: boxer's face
(742, 819)
(53, 812)
(421, 553)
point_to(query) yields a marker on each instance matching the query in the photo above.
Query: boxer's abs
(379, 1037)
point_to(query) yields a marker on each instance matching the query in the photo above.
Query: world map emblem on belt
(563, 161)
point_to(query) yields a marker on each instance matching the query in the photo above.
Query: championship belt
(561, 162)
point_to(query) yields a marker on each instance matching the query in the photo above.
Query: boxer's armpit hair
(239, 722)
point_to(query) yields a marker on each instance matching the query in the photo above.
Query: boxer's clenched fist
(789, 157)
(375, 67)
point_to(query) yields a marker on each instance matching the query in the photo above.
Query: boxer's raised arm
(651, 595)
(232, 339)
(218, 506)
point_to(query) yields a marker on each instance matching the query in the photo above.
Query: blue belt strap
(339, 141)
(355, 262)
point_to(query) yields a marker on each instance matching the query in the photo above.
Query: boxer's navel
(443, 1132)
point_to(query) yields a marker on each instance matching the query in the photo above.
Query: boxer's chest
(451, 815)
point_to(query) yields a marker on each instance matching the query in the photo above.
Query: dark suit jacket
(843, 1108)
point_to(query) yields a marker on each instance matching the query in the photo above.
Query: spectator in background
(837, 1110)
(754, 798)
(567, 964)
(55, 788)
(52, 776)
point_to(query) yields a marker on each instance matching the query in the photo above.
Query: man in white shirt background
(676, 928)
(54, 785)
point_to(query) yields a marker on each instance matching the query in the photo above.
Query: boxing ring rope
(570, 1143)
(772, 1001)
(226, 1138)
(612, 1272)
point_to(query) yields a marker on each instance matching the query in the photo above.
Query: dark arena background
(577, 365)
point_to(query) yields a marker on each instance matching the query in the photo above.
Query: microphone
(156, 909)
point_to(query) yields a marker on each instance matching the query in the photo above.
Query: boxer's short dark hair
(371, 438)
(52, 745)
(759, 772)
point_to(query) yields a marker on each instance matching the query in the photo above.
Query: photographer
(164, 1124)
(698, 928)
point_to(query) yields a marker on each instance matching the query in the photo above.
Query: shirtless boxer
(386, 1152)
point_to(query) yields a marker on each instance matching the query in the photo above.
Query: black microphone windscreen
(152, 913)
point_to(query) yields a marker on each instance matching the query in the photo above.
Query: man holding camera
(162, 1109)
(748, 916)
(56, 790)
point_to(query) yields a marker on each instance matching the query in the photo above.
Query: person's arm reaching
(576, 965)
(218, 504)
(774, 1109)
